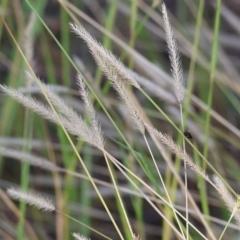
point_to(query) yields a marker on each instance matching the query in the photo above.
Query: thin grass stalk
(185, 174)
(145, 18)
(107, 184)
(133, 20)
(213, 66)
(52, 79)
(40, 162)
(201, 182)
(120, 166)
(118, 194)
(148, 200)
(226, 226)
(190, 81)
(117, 164)
(109, 23)
(160, 176)
(81, 223)
(69, 176)
(4, 4)
(211, 85)
(202, 189)
(69, 139)
(62, 138)
(9, 110)
(157, 210)
(48, 59)
(60, 203)
(65, 71)
(79, 175)
(231, 203)
(27, 128)
(131, 43)
(25, 170)
(85, 200)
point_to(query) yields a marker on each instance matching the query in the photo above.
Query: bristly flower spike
(33, 199)
(175, 60)
(109, 64)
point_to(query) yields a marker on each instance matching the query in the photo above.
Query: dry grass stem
(110, 65)
(120, 166)
(33, 199)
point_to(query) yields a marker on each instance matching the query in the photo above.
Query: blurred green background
(133, 31)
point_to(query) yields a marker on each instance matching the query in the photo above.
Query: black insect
(188, 134)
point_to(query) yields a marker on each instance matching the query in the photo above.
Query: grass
(117, 171)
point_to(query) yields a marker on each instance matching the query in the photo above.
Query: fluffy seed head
(33, 199)
(225, 194)
(109, 64)
(175, 60)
